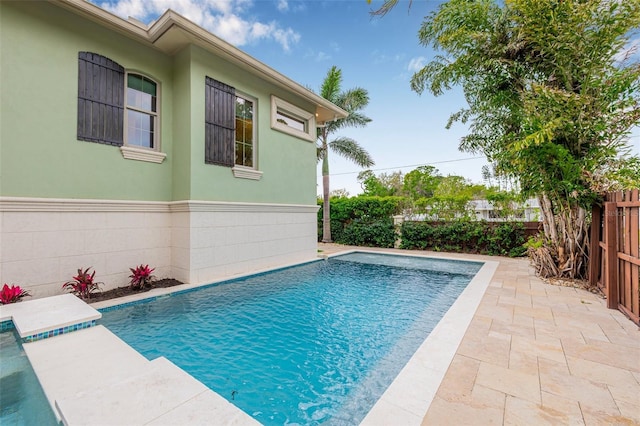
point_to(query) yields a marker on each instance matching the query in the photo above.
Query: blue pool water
(315, 343)
(22, 401)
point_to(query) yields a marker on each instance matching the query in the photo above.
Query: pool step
(162, 395)
(93, 377)
(68, 364)
(51, 316)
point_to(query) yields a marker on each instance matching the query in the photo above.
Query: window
(244, 132)
(290, 119)
(142, 111)
(102, 96)
(230, 129)
(292, 122)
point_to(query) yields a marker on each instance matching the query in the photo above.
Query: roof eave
(154, 36)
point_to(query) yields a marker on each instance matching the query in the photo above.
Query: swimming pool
(22, 401)
(310, 344)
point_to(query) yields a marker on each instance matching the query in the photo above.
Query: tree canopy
(553, 92)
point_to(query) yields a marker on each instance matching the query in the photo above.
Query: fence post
(611, 260)
(397, 224)
(594, 251)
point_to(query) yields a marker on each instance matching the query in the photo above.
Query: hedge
(363, 221)
(367, 221)
(493, 238)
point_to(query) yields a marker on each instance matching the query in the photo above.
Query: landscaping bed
(99, 296)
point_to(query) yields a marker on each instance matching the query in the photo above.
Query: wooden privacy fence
(615, 253)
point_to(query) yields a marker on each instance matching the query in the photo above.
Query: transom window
(244, 148)
(288, 118)
(142, 111)
(293, 122)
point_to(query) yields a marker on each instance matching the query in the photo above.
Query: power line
(404, 167)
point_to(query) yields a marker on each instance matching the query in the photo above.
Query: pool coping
(424, 371)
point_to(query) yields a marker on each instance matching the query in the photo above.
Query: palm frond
(355, 119)
(351, 150)
(330, 89)
(353, 99)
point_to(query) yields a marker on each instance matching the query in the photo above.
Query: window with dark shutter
(100, 99)
(220, 123)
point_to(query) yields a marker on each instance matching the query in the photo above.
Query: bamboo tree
(352, 101)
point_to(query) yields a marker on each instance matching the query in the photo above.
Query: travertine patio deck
(538, 354)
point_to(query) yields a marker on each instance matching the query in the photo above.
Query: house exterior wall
(67, 204)
(44, 241)
(288, 163)
(41, 156)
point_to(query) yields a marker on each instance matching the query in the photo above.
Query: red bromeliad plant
(12, 294)
(141, 277)
(82, 284)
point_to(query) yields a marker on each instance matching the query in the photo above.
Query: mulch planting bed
(127, 291)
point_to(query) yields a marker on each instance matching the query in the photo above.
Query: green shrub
(504, 239)
(380, 233)
(507, 239)
(367, 221)
(364, 210)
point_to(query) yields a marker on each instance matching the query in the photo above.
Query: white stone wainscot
(44, 241)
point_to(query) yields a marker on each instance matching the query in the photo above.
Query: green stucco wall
(40, 155)
(288, 163)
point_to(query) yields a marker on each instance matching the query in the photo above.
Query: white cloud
(285, 37)
(283, 5)
(223, 18)
(416, 64)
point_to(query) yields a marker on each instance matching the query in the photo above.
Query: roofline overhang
(171, 25)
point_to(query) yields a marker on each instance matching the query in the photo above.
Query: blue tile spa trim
(6, 325)
(58, 331)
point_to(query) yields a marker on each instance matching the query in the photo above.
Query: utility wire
(404, 167)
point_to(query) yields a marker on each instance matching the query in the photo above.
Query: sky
(304, 39)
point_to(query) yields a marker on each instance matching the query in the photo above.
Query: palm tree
(352, 101)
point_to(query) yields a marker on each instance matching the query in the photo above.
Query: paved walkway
(538, 354)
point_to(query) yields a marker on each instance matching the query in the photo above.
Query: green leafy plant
(379, 233)
(12, 294)
(505, 239)
(362, 209)
(83, 284)
(141, 277)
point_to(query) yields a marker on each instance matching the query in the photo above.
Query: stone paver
(538, 354)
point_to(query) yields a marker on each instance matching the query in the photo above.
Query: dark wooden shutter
(220, 123)
(100, 99)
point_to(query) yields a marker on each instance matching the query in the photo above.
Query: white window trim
(142, 154)
(284, 107)
(135, 152)
(246, 172)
